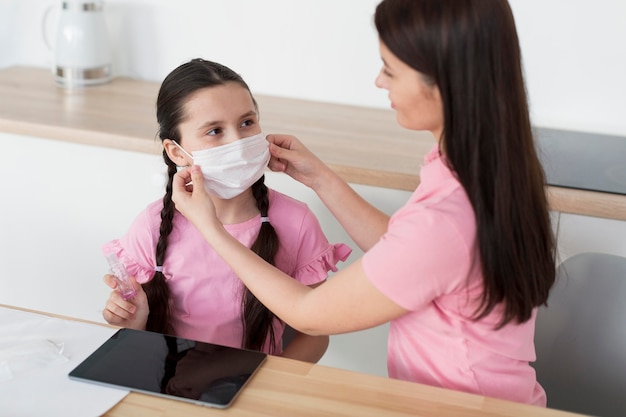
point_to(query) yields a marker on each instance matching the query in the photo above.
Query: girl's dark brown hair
(175, 90)
(470, 50)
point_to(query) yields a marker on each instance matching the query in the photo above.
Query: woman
(460, 269)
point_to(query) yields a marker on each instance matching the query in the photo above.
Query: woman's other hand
(289, 155)
(131, 313)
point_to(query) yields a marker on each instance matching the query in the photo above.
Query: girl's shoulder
(291, 216)
(150, 216)
(283, 204)
(154, 207)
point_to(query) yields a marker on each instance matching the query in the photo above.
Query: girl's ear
(176, 154)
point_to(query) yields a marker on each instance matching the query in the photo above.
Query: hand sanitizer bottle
(121, 276)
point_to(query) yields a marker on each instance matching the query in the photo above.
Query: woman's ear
(176, 154)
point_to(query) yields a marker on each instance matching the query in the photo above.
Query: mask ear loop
(186, 153)
(182, 149)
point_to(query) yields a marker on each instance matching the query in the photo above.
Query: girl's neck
(236, 210)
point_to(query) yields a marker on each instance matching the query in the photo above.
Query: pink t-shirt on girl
(427, 262)
(205, 293)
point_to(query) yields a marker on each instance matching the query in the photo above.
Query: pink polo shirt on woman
(427, 262)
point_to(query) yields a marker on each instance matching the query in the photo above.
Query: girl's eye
(386, 72)
(248, 122)
(214, 132)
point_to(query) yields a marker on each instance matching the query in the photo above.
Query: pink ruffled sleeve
(315, 255)
(317, 270)
(136, 248)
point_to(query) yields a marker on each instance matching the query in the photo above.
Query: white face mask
(231, 169)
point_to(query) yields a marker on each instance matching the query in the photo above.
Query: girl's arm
(306, 348)
(346, 302)
(364, 223)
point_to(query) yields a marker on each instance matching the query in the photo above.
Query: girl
(461, 268)
(207, 116)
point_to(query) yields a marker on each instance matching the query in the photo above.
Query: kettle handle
(44, 26)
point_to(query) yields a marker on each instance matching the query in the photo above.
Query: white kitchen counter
(364, 145)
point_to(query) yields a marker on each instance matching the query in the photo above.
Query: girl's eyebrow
(248, 114)
(209, 124)
(212, 123)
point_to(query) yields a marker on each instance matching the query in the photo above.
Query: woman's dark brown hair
(175, 90)
(470, 50)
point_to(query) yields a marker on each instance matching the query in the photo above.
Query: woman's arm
(348, 301)
(364, 223)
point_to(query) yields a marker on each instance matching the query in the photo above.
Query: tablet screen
(172, 367)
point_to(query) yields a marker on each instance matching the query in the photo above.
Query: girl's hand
(289, 155)
(192, 199)
(133, 313)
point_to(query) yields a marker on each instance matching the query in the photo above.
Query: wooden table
(286, 387)
(364, 145)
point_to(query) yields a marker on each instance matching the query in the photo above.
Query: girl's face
(214, 116)
(417, 103)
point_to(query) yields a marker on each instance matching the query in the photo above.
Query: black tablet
(171, 367)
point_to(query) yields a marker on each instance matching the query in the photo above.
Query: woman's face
(416, 102)
(215, 116)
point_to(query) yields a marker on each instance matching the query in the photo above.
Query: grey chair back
(580, 337)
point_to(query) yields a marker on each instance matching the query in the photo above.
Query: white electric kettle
(82, 53)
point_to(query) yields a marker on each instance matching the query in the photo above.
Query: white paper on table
(47, 390)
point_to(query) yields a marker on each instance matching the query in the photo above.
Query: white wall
(575, 60)
(327, 50)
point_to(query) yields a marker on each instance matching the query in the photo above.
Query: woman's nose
(379, 81)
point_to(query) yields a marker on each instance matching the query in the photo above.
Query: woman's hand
(289, 155)
(133, 313)
(192, 199)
